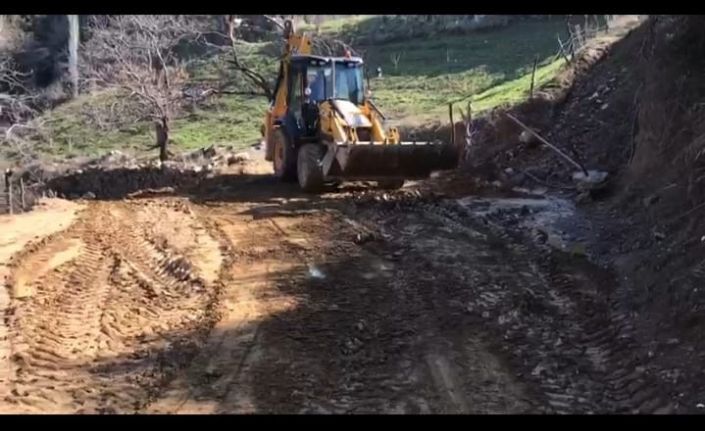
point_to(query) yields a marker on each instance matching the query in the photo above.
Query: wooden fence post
(533, 77)
(8, 189)
(22, 195)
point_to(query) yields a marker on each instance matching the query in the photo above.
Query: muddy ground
(250, 297)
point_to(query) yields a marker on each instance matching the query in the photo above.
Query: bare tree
(136, 54)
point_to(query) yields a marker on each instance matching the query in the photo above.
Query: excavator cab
(323, 126)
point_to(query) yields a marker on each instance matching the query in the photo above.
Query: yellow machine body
(342, 128)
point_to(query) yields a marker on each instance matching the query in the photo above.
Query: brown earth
(251, 297)
(253, 301)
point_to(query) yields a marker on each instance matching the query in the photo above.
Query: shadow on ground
(364, 329)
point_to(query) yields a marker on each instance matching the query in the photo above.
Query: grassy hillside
(492, 65)
(495, 66)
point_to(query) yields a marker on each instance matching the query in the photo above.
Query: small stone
(539, 235)
(360, 326)
(362, 238)
(584, 197)
(594, 180)
(211, 371)
(666, 410)
(650, 200)
(238, 158)
(538, 370)
(525, 137)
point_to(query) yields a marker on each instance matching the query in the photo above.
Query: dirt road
(251, 297)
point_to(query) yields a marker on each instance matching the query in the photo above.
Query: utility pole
(73, 53)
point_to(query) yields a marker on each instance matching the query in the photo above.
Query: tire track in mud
(220, 378)
(592, 344)
(403, 309)
(461, 366)
(106, 311)
(314, 321)
(398, 352)
(555, 317)
(16, 232)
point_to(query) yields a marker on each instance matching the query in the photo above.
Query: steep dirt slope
(638, 115)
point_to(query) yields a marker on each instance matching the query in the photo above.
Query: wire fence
(16, 196)
(579, 33)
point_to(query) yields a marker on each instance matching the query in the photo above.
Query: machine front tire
(284, 158)
(309, 169)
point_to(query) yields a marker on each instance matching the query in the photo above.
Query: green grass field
(493, 66)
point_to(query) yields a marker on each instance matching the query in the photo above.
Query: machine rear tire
(309, 169)
(284, 158)
(390, 184)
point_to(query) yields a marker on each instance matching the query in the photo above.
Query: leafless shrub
(16, 108)
(331, 46)
(395, 60)
(15, 99)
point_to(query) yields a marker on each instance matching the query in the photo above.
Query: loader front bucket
(372, 161)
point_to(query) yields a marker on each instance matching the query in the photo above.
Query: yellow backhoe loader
(322, 126)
